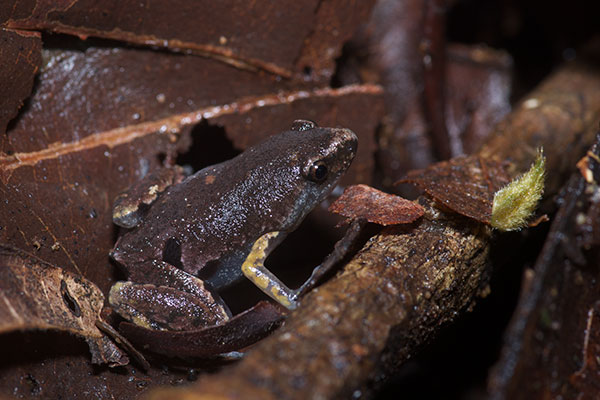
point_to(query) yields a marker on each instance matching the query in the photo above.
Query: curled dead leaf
(37, 295)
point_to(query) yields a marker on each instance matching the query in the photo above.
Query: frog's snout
(348, 140)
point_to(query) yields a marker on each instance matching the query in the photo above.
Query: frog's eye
(317, 171)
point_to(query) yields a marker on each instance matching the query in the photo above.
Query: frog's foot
(162, 307)
(254, 269)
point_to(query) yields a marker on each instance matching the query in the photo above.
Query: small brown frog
(190, 238)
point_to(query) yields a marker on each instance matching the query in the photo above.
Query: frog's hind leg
(176, 300)
(161, 273)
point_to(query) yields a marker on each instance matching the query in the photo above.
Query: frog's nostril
(349, 139)
(346, 135)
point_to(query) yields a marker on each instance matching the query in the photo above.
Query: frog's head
(306, 164)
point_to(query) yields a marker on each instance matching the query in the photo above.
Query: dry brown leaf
(285, 37)
(19, 61)
(465, 185)
(37, 295)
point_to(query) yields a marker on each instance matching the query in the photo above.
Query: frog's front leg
(129, 205)
(253, 268)
(177, 300)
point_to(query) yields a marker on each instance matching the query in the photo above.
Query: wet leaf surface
(478, 94)
(465, 185)
(55, 365)
(283, 38)
(362, 201)
(38, 296)
(120, 88)
(19, 61)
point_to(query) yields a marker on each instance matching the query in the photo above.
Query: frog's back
(181, 218)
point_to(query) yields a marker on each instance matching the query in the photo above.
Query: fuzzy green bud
(515, 203)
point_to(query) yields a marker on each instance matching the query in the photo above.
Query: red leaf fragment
(465, 185)
(362, 201)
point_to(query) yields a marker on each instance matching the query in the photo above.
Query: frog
(185, 239)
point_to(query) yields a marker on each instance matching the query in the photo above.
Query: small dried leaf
(362, 201)
(37, 295)
(465, 185)
(586, 166)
